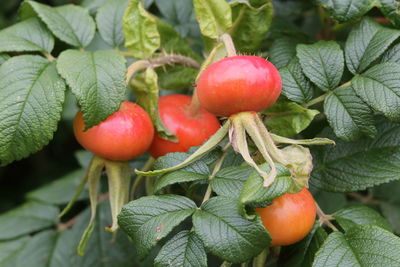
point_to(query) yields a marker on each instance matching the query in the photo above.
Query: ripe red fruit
(124, 135)
(190, 130)
(290, 217)
(239, 83)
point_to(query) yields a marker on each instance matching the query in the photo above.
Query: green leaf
(71, 24)
(214, 17)
(27, 218)
(255, 194)
(348, 115)
(295, 85)
(59, 191)
(172, 159)
(103, 249)
(35, 252)
(149, 219)
(349, 167)
(364, 245)
(12, 247)
(347, 10)
(282, 51)
(229, 181)
(109, 21)
(27, 35)
(302, 253)
(366, 42)
(226, 234)
(379, 87)
(31, 98)
(177, 177)
(97, 79)
(146, 90)
(391, 9)
(392, 54)
(3, 58)
(288, 118)
(392, 214)
(358, 215)
(322, 63)
(250, 24)
(185, 249)
(140, 30)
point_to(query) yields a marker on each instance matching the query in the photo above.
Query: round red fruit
(124, 135)
(191, 130)
(239, 83)
(289, 218)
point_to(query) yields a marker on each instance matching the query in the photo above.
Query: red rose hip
(191, 130)
(124, 135)
(239, 83)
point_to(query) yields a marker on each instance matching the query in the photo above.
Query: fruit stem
(325, 219)
(229, 46)
(217, 167)
(194, 106)
(49, 56)
(139, 179)
(259, 261)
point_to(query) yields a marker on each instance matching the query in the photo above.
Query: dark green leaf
(27, 35)
(176, 12)
(295, 85)
(255, 194)
(71, 24)
(349, 167)
(392, 55)
(348, 115)
(92, 5)
(103, 249)
(109, 21)
(288, 118)
(322, 63)
(183, 250)
(282, 51)
(140, 30)
(177, 177)
(214, 17)
(12, 247)
(364, 245)
(60, 191)
(35, 252)
(390, 8)
(392, 214)
(97, 79)
(250, 24)
(354, 215)
(226, 233)
(149, 219)
(31, 97)
(28, 218)
(379, 87)
(229, 181)
(329, 201)
(346, 10)
(366, 42)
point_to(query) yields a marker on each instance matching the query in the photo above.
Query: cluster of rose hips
(227, 88)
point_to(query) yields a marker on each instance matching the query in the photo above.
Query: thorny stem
(167, 59)
(325, 219)
(217, 167)
(229, 46)
(139, 179)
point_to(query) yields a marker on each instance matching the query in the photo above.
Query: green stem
(226, 264)
(325, 219)
(322, 97)
(259, 261)
(139, 179)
